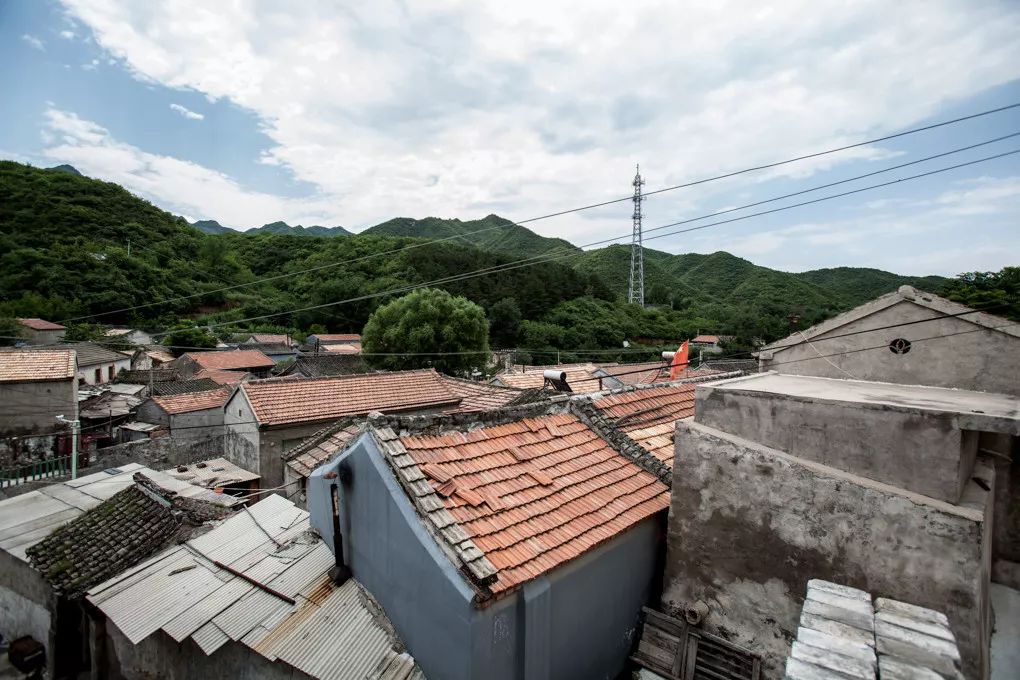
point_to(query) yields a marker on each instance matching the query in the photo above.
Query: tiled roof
(648, 416)
(479, 396)
(37, 364)
(90, 354)
(221, 376)
(169, 387)
(341, 349)
(278, 401)
(533, 494)
(272, 338)
(322, 446)
(193, 401)
(646, 373)
(160, 355)
(336, 337)
(40, 325)
(706, 338)
(144, 376)
(231, 359)
(327, 365)
(580, 377)
(268, 348)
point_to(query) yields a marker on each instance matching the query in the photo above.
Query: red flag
(679, 362)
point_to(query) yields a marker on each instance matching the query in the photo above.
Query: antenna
(636, 289)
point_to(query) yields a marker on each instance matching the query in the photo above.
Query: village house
(325, 365)
(188, 415)
(129, 336)
(60, 540)
(36, 386)
(927, 340)
(581, 378)
(533, 543)
(335, 343)
(97, 365)
(710, 344)
(245, 360)
(102, 414)
(253, 598)
(277, 351)
(268, 339)
(41, 332)
(145, 358)
(880, 486)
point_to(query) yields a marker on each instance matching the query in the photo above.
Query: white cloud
(67, 35)
(35, 42)
(186, 112)
(460, 109)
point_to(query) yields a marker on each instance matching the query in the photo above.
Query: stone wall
(749, 525)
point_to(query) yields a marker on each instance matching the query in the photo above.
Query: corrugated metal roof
(330, 632)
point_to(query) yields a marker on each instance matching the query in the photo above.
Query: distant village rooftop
(231, 359)
(40, 325)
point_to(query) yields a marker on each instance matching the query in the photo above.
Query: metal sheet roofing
(648, 416)
(284, 401)
(331, 632)
(530, 495)
(36, 364)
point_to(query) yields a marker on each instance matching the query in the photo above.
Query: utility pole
(636, 289)
(75, 424)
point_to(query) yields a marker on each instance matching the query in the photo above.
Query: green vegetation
(72, 246)
(982, 290)
(416, 330)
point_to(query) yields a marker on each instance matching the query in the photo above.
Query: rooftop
(170, 387)
(326, 365)
(193, 401)
(581, 377)
(272, 338)
(342, 348)
(984, 411)
(322, 446)
(212, 473)
(36, 364)
(278, 401)
(321, 629)
(145, 376)
(648, 416)
(529, 495)
(40, 325)
(335, 337)
(231, 359)
(221, 376)
(90, 353)
(706, 338)
(115, 535)
(479, 396)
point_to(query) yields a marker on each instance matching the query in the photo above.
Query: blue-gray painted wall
(577, 622)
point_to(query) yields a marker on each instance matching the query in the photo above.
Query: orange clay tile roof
(341, 349)
(231, 359)
(193, 401)
(284, 401)
(337, 337)
(580, 377)
(478, 396)
(648, 416)
(222, 377)
(534, 494)
(272, 338)
(706, 338)
(39, 364)
(650, 373)
(40, 325)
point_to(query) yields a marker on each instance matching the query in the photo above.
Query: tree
(428, 328)
(998, 291)
(85, 332)
(11, 331)
(505, 322)
(186, 336)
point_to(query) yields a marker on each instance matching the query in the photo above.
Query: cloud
(35, 42)
(433, 108)
(176, 185)
(186, 112)
(67, 35)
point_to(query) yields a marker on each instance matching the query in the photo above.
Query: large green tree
(999, 292)
(428, 328)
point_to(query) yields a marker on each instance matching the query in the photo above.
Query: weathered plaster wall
(197, 424)
(749, 525)
(87, 374)
(911, 448)
(32, 408)
(985, 360)
(158, 657)
(577, 622)
(243, 434)
(273, 443)
(26, 602)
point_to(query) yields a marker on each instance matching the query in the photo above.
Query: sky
(333, 113)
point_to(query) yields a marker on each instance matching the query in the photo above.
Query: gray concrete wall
(197, 424)
(917, 450)
(243, 435)
(32, 408)
(985, 360)
(158, 657)
(576, 622)
(749, 525)
(26, 602)
(151, 412)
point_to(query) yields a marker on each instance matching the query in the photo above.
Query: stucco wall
(26, 602)
(577, 622)
(985, 360)
(158, 657)
(87, 374)
(242, 447)
(32, 408)
(197, 424)
(272, 445)
(749, 525)
(911, 448)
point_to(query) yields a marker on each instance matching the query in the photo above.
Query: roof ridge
(620, 441)
(440, 423)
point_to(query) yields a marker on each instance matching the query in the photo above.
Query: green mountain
(284, 228)
(70, 169)
(859, 284)
(492, 233)
(211, 227)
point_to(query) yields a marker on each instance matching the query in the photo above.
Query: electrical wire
(568, 211)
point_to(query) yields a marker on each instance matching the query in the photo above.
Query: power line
(549, 257)
(562, 212)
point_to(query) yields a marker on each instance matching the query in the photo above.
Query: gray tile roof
(90, 353)
(165, 388)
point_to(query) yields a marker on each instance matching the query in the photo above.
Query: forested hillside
(71, 246)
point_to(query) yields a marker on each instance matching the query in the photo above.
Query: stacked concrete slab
(843, 635)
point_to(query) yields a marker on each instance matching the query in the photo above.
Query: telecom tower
(636, 289)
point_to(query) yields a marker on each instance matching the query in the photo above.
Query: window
(99, 375)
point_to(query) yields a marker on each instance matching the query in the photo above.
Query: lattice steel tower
(636, 289)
